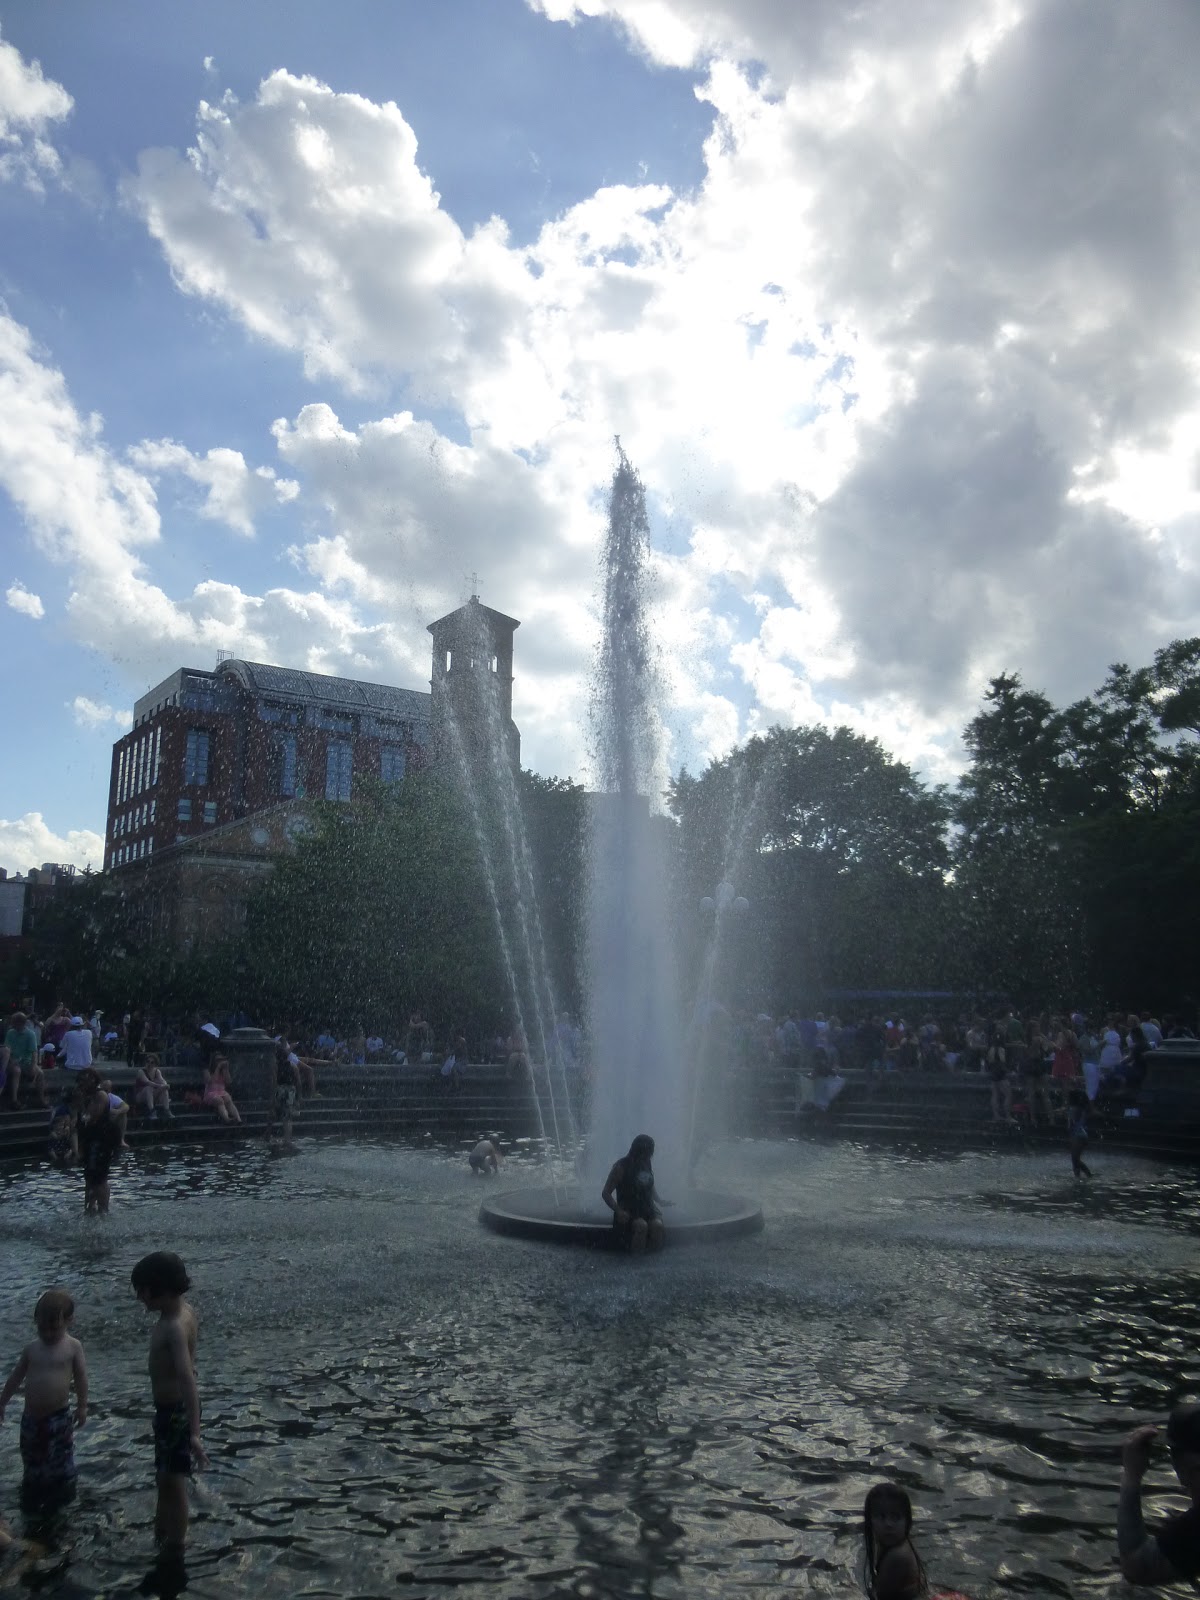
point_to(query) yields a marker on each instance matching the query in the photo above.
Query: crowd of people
(1033, 1063)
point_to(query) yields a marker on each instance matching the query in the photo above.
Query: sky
(314, 318)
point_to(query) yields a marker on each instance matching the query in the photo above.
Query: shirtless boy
(160, 1282)
(47, 1368)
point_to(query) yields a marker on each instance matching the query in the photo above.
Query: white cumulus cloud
(234, 494)
(22, 599)
(29, 841)
(909, 374)
(94, 714)
(29, 104)
(96, 515)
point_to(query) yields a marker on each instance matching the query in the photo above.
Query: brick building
(210, 748)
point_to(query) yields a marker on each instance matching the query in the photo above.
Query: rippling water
(397, 1402)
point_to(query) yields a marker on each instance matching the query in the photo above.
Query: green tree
(1016, 882)
(383, 908)
(841, 850)
(554, 812)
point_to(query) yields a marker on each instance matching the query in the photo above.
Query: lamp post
(725, 898)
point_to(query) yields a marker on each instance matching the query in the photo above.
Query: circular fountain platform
(566, 1218)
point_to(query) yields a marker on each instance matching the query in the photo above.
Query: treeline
(1063, 867)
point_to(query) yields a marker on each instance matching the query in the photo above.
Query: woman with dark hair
(629, 1195)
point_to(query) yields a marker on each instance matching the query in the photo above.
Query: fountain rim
(523, 1214)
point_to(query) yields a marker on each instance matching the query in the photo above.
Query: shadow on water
(397, 1402)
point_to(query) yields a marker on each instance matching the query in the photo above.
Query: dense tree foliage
(424, 895)
(1077, 865)
(841, 851)
(383, 908)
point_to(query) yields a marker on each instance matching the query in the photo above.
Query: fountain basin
(568, 1218)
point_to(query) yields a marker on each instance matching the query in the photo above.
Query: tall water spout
(637, 1056)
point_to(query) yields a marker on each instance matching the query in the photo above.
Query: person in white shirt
(75, 1051)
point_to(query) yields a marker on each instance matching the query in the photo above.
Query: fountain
(642, 1070)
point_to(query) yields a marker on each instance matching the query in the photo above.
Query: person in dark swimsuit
(629, 1195)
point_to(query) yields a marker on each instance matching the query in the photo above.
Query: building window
(285, 714)
(391, 763)
(184, 810)
(157, 755)
(285, 757)
(339, 765)
(195, 757)
(153, 809)
(210, 811)
(121, 778)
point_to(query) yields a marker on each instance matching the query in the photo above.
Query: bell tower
(472, 678)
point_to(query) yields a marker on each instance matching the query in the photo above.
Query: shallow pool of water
(397, 1402)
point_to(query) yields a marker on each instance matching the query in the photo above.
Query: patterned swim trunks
(172, 1441)
(48, 1453)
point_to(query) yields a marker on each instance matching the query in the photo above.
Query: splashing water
(489, 785)
(638, 1060)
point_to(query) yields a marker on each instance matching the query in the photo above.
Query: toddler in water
(47, 1368)
(892, 1569)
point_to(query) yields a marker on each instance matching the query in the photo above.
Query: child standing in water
(48, 1367)
(160, 1282)
(1077, 1112)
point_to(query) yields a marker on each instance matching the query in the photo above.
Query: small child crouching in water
(47, 1368)
(160, 1282)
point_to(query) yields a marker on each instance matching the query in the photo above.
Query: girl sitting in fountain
(629, 1195)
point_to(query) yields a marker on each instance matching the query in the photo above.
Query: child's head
(159, 1275)
(52, 1313)
(887, 1518)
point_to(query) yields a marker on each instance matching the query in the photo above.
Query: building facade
(208, 749)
